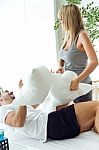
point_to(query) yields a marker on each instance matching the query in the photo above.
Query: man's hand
(20, 84)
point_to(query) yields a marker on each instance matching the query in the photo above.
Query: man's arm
(59, 107)
(16, 118)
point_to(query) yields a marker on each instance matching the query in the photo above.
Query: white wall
(27, 38)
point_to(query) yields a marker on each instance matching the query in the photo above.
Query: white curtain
(27, 38)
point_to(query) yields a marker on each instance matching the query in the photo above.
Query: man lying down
(65, 123)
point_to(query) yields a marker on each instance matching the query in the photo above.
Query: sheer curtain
(27, 38)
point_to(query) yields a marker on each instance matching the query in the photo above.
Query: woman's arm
(16, 118)
(93, 60)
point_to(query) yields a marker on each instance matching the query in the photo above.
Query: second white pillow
(35, 88)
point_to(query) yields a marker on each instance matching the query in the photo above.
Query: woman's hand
(74, 84)
(60, 70)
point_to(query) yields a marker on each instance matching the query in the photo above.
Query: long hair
(72, 19)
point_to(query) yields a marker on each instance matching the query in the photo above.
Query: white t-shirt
(35, 124)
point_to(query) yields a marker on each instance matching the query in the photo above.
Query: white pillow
(60, 87)
(60, 92)
(40, 82)
(35, 88)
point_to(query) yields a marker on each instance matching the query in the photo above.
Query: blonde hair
(72, 19)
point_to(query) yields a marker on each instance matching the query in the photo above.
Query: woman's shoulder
(83, 33)
(83, 36)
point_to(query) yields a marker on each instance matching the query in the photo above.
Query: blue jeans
(84, 98)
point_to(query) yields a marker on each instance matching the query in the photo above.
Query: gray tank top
(75, 60)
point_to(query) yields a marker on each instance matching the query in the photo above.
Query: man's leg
(86, 115)
(96, 125)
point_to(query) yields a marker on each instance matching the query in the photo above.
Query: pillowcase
(60, 92)
(60, 87)
(35, 87)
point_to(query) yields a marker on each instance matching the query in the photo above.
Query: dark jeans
(84, 98)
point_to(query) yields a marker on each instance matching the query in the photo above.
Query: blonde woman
(76, 49)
